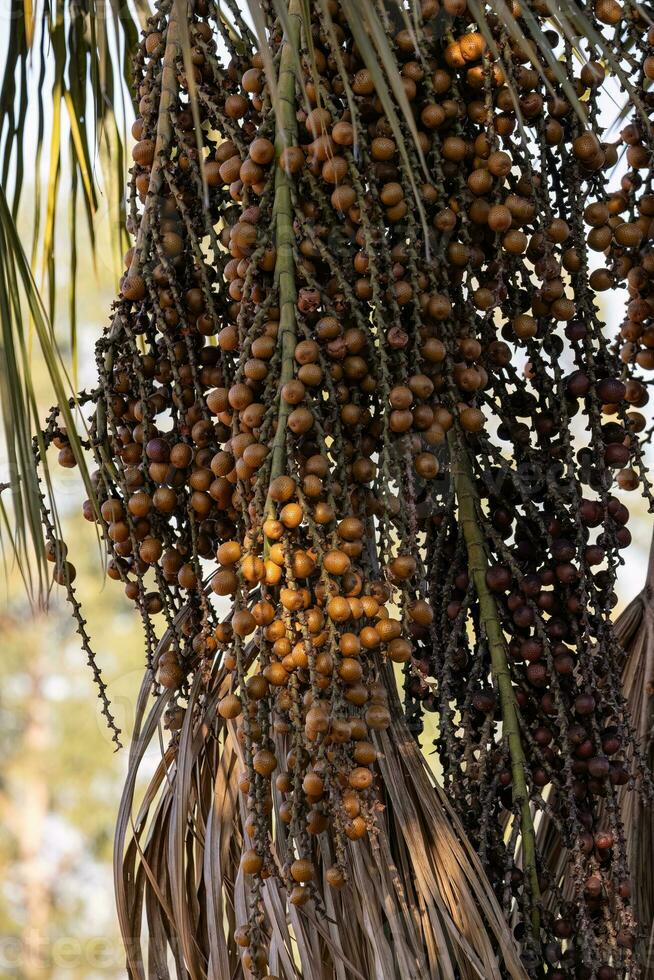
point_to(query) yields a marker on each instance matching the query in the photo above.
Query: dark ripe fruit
(591, 512)
(563, 928)
(531, 650)
(593, 887)
(64, 573)
(618, 775)
(578, 384)
(483, 701)
(537, 674)
(611, 390)
(584, 704)
(498, 578)
(611, 743)
(158, 450)
(66, 458)
(426, 465)
(616, 455)
(598, 767)
(603, 840)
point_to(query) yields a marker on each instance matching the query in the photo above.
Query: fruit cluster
(357, 407)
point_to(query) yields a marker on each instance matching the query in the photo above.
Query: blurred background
(60, 780)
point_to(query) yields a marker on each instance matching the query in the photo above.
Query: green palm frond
(20, 304)
(64, 106)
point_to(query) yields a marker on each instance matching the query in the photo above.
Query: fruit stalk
(285, 136)
(169, 93)
(468, 504)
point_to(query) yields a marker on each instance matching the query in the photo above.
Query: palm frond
(62, 80)
(21, 303)
(418, 903)
(635, 632)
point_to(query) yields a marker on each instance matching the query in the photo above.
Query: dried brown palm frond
(635, 632)
(417, 903)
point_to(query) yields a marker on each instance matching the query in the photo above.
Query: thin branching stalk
(468, 503)
(286, 135)
(169, 93)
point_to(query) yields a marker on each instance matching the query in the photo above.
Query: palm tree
(360, 437)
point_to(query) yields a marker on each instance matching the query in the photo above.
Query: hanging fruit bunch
(358, 418)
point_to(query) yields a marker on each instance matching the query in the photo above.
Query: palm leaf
(418, 903)
(635, 632)
(71, 43)
(20, 303)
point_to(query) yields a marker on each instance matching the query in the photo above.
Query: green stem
(282, 215)
(468, 504)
